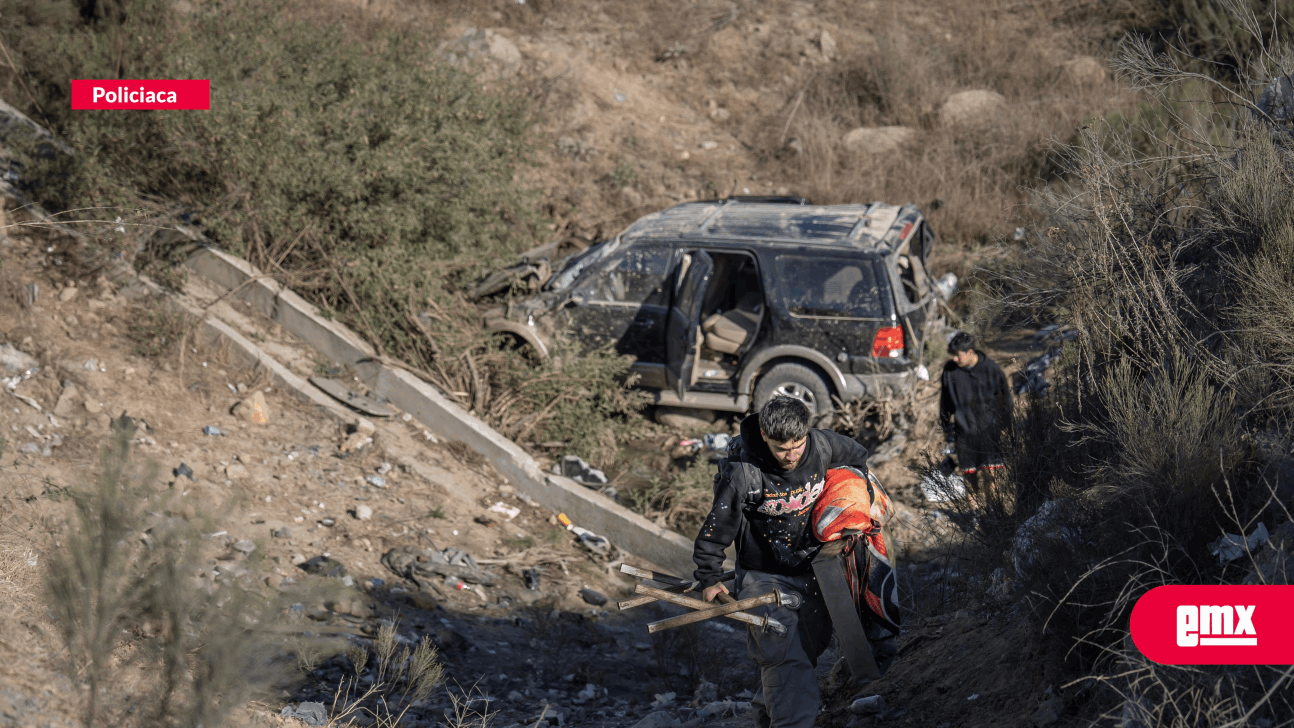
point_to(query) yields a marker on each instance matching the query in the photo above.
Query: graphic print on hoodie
(766, 509)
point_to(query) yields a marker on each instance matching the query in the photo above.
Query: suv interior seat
(727, 331)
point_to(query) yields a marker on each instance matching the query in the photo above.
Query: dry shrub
(121, 593)
(969, 179)
(1164, 250)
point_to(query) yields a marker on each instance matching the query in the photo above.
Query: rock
(878, 140)
(297, 559)
(234, 471)
(253, 410)
(828, 45)
(67, 294)
(592, 597)
(720, 114)
(1048, 713)
(324, 566)
(245, 546)
(16, 361)
(375, 481)
(309, 713)
(354, 441)
(966, 109)
(274, 581)
(685, 419)
(869, 705)
(631, 197)
(363, 512)
(364, 427)
(1084, 72)
(706, 693)
(30, 448)
(659, 719)
(66, 404)
(92, 406)
(504, 50)
(282, 532)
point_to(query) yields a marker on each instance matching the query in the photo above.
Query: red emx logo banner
(1216, 625)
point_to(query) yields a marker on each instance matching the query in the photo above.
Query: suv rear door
(685, 319)
(832, 302)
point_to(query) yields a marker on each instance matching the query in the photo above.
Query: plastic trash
(314, 714)
(211, 431)
(939, 488)
(586, 538)
(719, 443)
(575, 468)
(1232, 546)
(510, 511)
(532, 579)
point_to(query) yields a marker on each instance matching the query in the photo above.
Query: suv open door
(685, 320)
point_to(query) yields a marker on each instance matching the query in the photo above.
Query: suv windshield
(580, 262)
(822, 287)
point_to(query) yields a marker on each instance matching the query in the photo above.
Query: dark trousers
(788, 695)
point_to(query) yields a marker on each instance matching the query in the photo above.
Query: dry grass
(971, 179)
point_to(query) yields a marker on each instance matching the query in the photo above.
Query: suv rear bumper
(878, 387)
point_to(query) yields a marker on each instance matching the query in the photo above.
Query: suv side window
(635, 277)
(820, 287)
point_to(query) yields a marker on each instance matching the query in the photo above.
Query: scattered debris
(212, 431)
(575, 468)
(314, 714)
(384, 468)
(324, 566)
(1231, 546)
(375, 480)
(718, 443)
(421, 565)
(17, 362)
(531, 577)
(510, 511)
(363, 512)
(245, 546)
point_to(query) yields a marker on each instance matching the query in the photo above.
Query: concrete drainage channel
(630, 531)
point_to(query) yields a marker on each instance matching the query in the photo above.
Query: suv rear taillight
(889, 342)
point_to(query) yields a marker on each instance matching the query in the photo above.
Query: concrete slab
(445, 419)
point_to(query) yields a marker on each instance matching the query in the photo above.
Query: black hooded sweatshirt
(974, 402)
(766, 509)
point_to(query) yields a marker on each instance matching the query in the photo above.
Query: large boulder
(878, 140)
(966, 109)
(1083, 72)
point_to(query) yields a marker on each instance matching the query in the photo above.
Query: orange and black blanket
(872, 579)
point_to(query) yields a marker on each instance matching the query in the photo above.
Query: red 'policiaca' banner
(1216, 625)
(116, 94)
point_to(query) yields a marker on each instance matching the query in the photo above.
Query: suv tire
(799, 381)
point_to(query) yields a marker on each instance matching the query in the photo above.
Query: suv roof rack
(769, 199)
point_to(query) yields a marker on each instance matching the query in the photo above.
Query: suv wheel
(798, 381)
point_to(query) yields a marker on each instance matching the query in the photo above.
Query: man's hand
(710, 592)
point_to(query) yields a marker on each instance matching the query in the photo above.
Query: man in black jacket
(974, 409)
(763, 498)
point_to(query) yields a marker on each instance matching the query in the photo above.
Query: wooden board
(362, 402)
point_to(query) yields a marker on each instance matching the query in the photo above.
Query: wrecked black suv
(725, 304)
